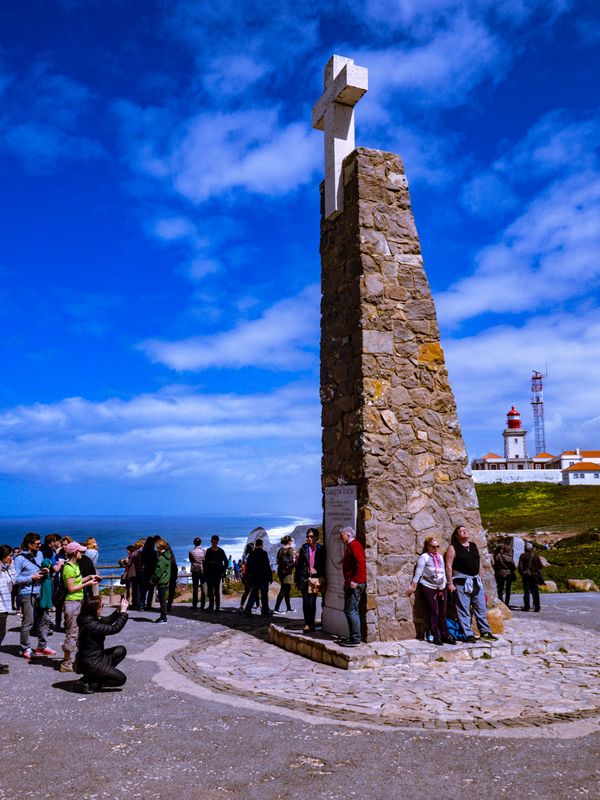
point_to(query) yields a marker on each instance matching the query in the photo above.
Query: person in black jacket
(311, 564)
(145, 564)
(215, 569)
(260, 576)
(530, 569)
(98, 665)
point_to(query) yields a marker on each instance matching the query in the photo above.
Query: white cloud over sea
(176, 435)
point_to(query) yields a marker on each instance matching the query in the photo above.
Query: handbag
(315, 585)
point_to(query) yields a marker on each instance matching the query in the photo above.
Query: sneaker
(489, 637)
(3, 669)
(349, 643)
(449, 640)
(87, 687)
(470, 639)
(26, 654)
(66, 666)
(160, 621)
(44, 651)
(437, 642)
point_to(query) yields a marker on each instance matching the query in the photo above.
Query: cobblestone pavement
(181, 730)
(528, 690)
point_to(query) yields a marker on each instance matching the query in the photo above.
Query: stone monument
(391, 434)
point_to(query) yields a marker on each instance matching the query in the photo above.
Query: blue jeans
(465, 602)
(352, 598)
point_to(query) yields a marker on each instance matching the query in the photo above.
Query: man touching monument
(354, 567)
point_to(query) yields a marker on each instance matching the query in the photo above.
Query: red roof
(490, 455)
(568, 453)
(544, 455)
(590, 453)
(583, 466)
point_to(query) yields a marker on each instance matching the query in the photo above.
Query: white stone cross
(345, 84)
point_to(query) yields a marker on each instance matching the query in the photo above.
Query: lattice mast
(537, 403)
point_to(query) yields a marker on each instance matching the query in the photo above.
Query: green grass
(527, 507)
(576, 561)
(521, 507)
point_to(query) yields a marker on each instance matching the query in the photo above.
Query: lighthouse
(514, 438)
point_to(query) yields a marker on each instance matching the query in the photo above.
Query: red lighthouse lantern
(513, 419)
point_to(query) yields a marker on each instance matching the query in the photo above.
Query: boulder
(548, 586)
(495, 618)
(261, 533)
(582, 585)
(504, 610)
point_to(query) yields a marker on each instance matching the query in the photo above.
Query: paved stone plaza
(211, 709)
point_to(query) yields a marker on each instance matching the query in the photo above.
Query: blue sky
(159, 265)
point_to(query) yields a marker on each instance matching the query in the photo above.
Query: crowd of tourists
(60, 575)
(54, 586)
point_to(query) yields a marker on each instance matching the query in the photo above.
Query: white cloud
(441, 71)
(421, 17)
(283, 338)
(551, 252)
(491, 370)
(176, 434)
(250, 150)
(199, 262)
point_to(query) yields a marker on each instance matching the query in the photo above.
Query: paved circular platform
(512, 691)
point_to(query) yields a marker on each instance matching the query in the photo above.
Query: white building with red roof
(571, 467)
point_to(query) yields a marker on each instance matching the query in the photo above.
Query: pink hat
(74, 547)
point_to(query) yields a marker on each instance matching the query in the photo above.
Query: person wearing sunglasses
(430, 579)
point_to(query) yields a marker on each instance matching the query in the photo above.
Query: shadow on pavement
(231, 617)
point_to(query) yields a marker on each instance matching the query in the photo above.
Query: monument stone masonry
(394, 460)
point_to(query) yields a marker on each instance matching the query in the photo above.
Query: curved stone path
(524, 691)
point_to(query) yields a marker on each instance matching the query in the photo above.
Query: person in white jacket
(430, 577)
(7, 577)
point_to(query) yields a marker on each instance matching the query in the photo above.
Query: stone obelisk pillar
(390, 426)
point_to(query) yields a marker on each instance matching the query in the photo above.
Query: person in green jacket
(161, 577)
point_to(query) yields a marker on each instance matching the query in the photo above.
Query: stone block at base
(518, 640)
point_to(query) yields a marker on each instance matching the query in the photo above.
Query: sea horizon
(114, 532)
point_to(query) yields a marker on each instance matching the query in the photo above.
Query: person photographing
(97, 664)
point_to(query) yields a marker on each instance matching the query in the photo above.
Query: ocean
(113, 534)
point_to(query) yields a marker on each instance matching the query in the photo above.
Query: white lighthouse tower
(515, 449)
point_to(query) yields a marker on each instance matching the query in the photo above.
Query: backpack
(286, 561)
(454, 629)
(59, 591)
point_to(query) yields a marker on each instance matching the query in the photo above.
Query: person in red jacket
(354, 568)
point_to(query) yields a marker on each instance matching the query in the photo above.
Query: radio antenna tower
(537, 403)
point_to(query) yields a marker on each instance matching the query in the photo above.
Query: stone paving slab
(519, 638)
(518, 689)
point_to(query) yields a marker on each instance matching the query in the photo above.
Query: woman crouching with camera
(430, 577)
(98, 665)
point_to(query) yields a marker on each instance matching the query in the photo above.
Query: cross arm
(347, 88)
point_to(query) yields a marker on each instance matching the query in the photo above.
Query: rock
(495, 618)
(504, 610)
(549, 586)
(582, 585)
